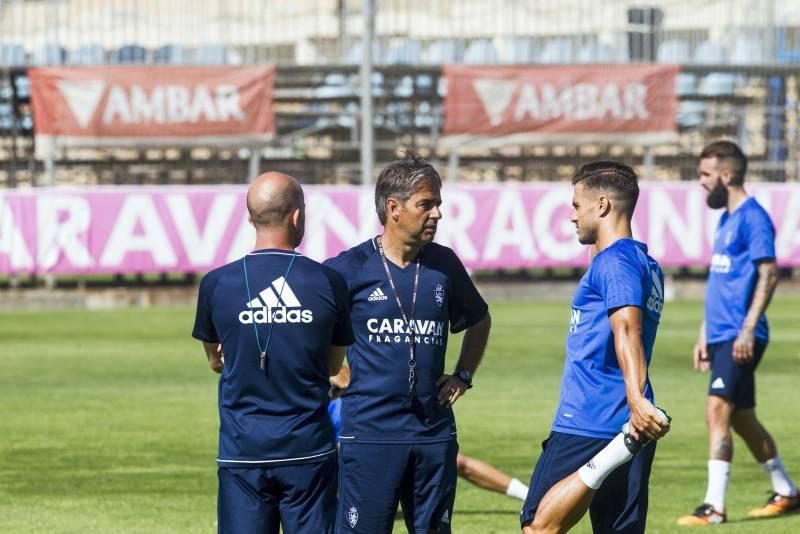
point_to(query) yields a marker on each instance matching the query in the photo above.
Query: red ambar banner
(592, 99)
(152, 105)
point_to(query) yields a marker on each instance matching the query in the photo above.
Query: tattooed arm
(765, 287)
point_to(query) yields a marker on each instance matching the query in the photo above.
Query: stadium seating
(685, 84)
(691, 114)
(355, 54)
(171, 55)
(442, 52)
(559, 50)
(211, 54)
(515, 51)
(673, 51)
(480, 52)
(709, 53)
(130, 54)
(597, 52)
(718, 84)
(404, 52)
(714, 83)
(88, 54)
(12, 55)
(748, 51)
(49, 54)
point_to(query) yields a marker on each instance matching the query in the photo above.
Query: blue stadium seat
(748, 51)
(685, 84)
(597, 52)
(714, 83)
(515, 51)
(23, 85)
(718, 84)
(130, 54)
(441, 52)
(691, 114)
(171, 55)
(337, 85)
(559, 50)
(709, 53)
(673, 51)
(88, 54)
(480, 52)
(12, 55)
(6, 116)
(355, 54)
(404, 52)
(211, 54)
(49, 54)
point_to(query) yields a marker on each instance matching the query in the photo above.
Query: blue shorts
(736, 383)
(620, 505)
(301, 498)
(373, 478)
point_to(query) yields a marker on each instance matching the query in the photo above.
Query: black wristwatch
(465, 376)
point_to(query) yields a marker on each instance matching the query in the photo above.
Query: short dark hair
(401, 179)
(728, 153)
(612, 177)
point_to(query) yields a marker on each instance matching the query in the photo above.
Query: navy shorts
(620, 505)
(736, 383)
(301, 498)
(373, 478)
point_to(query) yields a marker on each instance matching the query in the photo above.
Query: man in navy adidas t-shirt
(398, 438)
(615, 313)
(734, 334)
(275, 325)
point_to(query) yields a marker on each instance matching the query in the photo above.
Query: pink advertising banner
(193, 229)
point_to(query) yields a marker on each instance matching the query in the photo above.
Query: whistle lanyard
(412, 347)
(263, 350)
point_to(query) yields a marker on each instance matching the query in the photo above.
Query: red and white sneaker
(777, 505)
(703, 515)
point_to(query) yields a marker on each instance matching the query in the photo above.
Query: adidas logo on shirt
(720, 263)
(656, 301)
(378, 294)
(718, 383)
(276, 304)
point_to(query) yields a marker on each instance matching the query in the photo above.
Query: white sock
(517, 489)
(718, 473)
(604, 462)
(781, 481)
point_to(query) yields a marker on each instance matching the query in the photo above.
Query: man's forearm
(474, 345)
(762, 294)
(630, 355)
(626, 324)
(214, 355)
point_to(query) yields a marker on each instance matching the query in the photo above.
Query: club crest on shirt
(438, 295)
(352, 516)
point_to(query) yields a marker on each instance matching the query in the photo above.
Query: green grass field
(109, 420)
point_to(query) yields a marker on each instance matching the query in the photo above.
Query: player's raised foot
(705, 514)
(777, 505)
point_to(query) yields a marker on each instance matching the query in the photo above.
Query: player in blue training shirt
(275, 325)
(398, 437)
(734, 333)
(615, 313)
